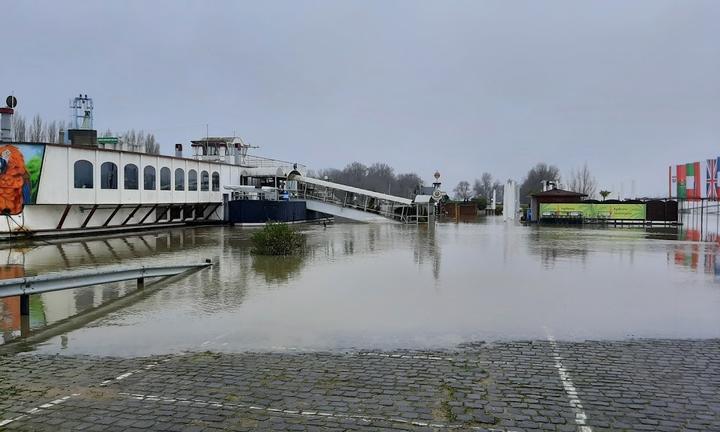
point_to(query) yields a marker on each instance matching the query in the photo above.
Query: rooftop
(557, 193)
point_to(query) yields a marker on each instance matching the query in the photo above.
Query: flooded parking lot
(385, 287)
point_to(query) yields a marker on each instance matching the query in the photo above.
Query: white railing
(385, 208)
(76, 279)
(252, 161)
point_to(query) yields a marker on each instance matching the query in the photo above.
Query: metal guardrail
(75, 279)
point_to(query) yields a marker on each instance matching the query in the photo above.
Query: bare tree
(331, 174)
(151, 146)
(380, 178)
(140, 141)
(407, 184)
(462, 191)
(130, 139)
(582, 181)
(355, 174)
(51, 132)
(19, 128)
(36, 131)
(483, 187)
(534, 177)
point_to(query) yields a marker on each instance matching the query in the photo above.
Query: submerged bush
(277, 239)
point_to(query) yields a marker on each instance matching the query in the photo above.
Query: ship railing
(251, 161)
(262, 162)
(383, 207)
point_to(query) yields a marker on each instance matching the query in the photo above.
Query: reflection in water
(426, 248)
(699, 241)
(552, 245)
(277, 269)
(51, 307)
(389, 286)
(12, 267)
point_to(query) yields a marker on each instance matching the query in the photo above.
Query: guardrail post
(24, 325)
(141, 283)
(24, 304)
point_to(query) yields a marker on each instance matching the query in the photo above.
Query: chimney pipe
(6, 124)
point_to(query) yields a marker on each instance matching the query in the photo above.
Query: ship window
(204, 181)
(131, 176)
(108, 175)
(149, 178)
(165, 178)
(83, 174)
(192, 180)
(215, 182)
(179, 179)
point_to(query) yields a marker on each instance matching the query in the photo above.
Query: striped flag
(711, 179)
(692, 180)
(681, 182)
(717, 180)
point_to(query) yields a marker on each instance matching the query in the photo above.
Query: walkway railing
(388, 206)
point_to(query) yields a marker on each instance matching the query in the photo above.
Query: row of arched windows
(109, 177)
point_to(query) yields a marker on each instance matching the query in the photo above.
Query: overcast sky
(461, 87)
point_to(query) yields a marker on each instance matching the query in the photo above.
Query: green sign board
(594, 211)
(107, 140)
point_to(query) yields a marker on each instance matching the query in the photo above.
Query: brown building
(460, 210)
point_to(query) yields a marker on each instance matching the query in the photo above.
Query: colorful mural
(20, 168)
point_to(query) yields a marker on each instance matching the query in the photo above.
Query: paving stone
(632, 385)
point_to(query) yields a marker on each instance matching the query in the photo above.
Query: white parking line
(305, 413)
(570, 390)
(51, 404)
(38, 409)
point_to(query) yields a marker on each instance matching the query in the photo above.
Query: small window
(149, 178)
(83, 174)
(204, 181)
(108, 176)
(131, 176)
(192, 180)
(179, 179)
(165, 178)
(215, 182)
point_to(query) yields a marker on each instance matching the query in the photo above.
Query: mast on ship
(81, 131)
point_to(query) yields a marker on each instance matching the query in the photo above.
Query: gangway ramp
(350, 202)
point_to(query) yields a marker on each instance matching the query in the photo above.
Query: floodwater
(384, 287)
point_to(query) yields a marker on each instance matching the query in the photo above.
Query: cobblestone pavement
(654, 385)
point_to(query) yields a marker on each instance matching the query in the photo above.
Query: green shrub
(481, 202)
(277, 239)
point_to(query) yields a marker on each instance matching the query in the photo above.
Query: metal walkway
(352, 203)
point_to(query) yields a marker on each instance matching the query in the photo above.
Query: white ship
(91, 186)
